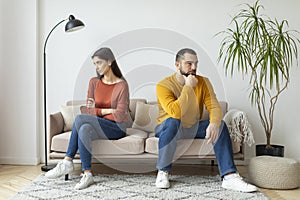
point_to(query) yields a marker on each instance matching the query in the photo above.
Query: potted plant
(263, 50)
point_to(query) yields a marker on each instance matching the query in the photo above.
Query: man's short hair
(180, 54)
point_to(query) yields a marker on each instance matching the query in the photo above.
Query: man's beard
(187, 73)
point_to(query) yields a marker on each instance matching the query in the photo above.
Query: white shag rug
(131, 187)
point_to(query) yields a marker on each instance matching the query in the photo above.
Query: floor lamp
(72, 25)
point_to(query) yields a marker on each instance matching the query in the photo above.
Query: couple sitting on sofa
(181, 97)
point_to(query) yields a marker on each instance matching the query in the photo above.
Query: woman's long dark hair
(106, 54)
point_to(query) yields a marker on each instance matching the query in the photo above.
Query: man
(181, 97)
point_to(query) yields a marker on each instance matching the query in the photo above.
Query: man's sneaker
(60, 170)
(236, 183)
(162, 180)
(86, 180)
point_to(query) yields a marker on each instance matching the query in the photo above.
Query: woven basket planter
(274, 172)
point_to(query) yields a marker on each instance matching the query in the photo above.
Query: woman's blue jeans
(171, 130)
(87, 128)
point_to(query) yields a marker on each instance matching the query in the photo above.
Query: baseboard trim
(20, 161)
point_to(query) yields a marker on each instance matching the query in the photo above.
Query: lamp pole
(72, 25)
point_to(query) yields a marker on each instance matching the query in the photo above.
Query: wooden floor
(13, 178)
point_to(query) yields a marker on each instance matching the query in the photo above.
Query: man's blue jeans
(87, 128)
(171, 130)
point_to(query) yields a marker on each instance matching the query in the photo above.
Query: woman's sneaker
(162, 180)
(86, 180)
(236, 183)
(61, 169)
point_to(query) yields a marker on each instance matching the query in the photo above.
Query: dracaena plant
(262, 50)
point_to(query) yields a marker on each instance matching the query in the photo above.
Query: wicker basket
(274, 172)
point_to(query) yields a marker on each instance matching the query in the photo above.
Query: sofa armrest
(56, 125)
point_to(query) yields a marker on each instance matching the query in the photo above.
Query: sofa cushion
(60, 142)
(145, 117)
(184, 147)
(131, 144)
(69, 113)
(136, 133)
(132, 106)
(125, 145)
(187, 147)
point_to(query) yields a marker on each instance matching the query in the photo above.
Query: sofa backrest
(132, 106)
(147, 115)
(76, 102)
(224, 107)
(133, 102)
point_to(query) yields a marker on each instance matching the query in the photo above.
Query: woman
(105, 118)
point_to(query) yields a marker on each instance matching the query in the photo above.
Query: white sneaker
(236, 183)
(162, 180)
(86, 180)
(60, 170)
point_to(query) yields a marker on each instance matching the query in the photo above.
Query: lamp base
(46, 168)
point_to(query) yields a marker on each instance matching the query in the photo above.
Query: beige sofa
(139, 145)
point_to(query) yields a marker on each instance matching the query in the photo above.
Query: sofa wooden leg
(66, 177)
(212, 162)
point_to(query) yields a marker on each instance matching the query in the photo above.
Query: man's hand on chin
(190, 80)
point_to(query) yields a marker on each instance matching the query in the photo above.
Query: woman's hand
(92, 111)
(90, 103)
(89, 108)
(83, 110)
(89, 111)
(107, 111)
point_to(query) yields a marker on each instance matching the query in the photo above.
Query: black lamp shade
(73, 24)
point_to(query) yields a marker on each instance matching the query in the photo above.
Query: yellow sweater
(186, 103)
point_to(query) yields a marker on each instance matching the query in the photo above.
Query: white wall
(18, 83)
(145, 35)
